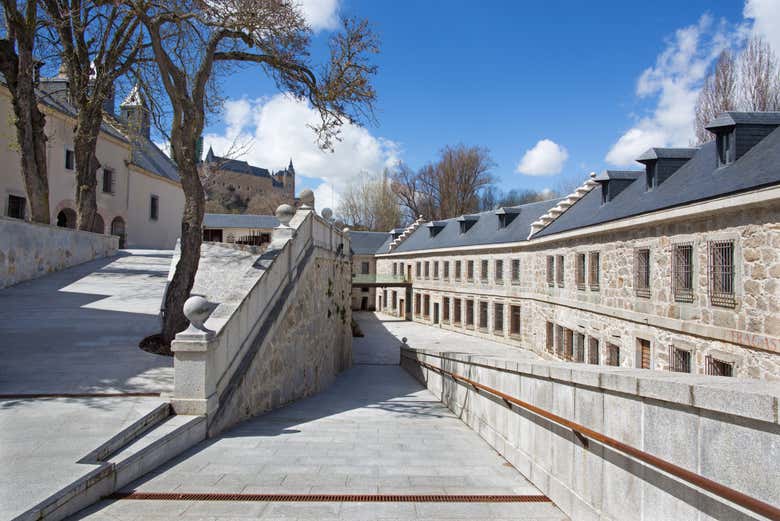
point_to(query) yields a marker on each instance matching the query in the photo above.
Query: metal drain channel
(332, 498)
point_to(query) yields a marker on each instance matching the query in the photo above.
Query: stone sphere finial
(327, 214)
(307, 199)
(285, 214)
(197, 310)
(345, 230)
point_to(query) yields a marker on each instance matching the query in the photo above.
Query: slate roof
(236, 220)
(241, 167)
(484, 231)
(667, 153)
(367, 243)
(697, 180)
(728, 119)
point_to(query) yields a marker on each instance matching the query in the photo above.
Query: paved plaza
(374, 431)
(75, 332)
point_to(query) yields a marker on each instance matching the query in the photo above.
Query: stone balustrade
(724, 429)
(253, 291)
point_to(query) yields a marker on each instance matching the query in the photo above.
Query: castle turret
(134, 113)
(289, 178)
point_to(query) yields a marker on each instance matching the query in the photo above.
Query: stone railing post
(195, 378)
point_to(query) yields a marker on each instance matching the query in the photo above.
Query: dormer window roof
(506, 216)
(737, 132)
(661, 163)
(434, 227)
(615, 181)
(466, 222)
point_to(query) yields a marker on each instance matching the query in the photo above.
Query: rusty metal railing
(720, 490)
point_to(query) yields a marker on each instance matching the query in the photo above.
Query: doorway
(364, 304)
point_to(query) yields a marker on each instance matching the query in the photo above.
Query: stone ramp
(374, 431)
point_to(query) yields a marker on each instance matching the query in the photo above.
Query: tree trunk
(87, 164)
(191, 235)
(19, 71)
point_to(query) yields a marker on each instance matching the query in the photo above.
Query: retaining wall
(30, 250)
(723, 429)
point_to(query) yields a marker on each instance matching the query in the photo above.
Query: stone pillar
(194, 349)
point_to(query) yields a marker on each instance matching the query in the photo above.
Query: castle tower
(134, 113)
(289, 179)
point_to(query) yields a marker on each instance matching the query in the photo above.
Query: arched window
(66, 218)
(98, 225)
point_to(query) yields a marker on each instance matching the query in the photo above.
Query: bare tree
(192, 40)
(493, 197)
(99, 43)
(447, 188)
(20, 69)
(370, 204)
(718, 94)
(759, 86)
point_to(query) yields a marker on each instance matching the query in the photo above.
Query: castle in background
(239, 187)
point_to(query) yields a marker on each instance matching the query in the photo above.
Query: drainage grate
(331, 498)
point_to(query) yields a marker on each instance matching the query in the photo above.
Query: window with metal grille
(568, 343)
(613, 354)
(682, 272)
(593, 351)
(427, 268)
(498, 319)
(559, 270)
(446, 270)
(559, 340)
(154, 208)
(679, 360)
(642, 272)
(445, 309)
(483, 274)
(579, 347)
(515, 271)
(470, 270)
(514, 320)
(720, 271)
(643, 354)
(470, 313)
(436, 270)
(594, 271)
(364, 268)
(108, 181)
(550, 270)
(499, 272)
(717, 367)
(426, 305)
(16, 206)
(483, 315)
(579, 272)
(457, 270)
(550, 339)
(456, 311)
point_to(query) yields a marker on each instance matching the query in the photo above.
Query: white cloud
(271, 131)
(320, 14)
(673, 82)
(765, 15)
(545, 158)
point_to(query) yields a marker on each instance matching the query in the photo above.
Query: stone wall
(29, 250)
(747, 335)
(717, 428)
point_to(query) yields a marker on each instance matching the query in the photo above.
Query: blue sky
(597, 80)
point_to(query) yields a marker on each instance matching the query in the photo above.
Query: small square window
(679, 360)
(499, 271)
(579, 273)
(720, 270)
(457, 270)
(717, 367)
(550, 270)
(484, 271)
(613, 355)
(559, 270)
(154, 208)
(594, 270)
(682, 272)
(498, 319)
(515, 271)
(108, 181)
(642, 272)
(550, 337)
(514, 320)
(70, 159)
(593, 351)
(16, 206)
(364, 268)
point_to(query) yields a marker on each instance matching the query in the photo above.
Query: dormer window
(435, 227)
(466, 222)
(506, 216)
(725, 144)
(650, 176)
(604, 193)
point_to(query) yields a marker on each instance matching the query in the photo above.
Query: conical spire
(134, 98)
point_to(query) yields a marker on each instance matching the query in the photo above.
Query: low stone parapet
(723, 430)
(31, 250)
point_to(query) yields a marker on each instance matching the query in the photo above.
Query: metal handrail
(735, 496)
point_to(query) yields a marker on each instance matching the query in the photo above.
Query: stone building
(223, 175)
(139, 194)
(364, 245)
(238, 228)
(675, 266)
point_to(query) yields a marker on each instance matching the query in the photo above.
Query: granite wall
(29, 250)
